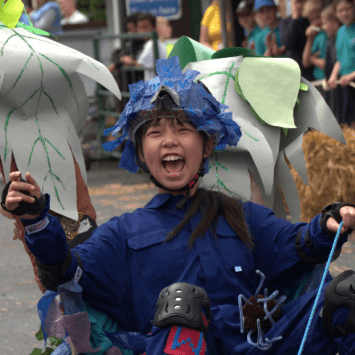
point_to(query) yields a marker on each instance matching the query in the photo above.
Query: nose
(170, 137)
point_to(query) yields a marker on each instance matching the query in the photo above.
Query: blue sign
(166, 8)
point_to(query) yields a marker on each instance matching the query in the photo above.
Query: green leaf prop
(10, 12)
(263, 145)
(189, 50)
(43, 103)
(271, 86)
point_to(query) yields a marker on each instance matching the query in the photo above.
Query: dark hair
(132, 18)
(147, 16)
(211, 204)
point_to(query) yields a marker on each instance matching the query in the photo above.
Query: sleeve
(146, 57)
(290, 31)
(102, 258)
(316, 44)
(275, 239)
(260, 47)
(45, 22)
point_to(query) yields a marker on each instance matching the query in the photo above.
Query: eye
(153, 132)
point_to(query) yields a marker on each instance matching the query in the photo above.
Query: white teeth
(173, 157)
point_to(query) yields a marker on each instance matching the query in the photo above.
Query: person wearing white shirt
(71, 14)
(146, 23)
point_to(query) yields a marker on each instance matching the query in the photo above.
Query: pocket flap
(146, 239)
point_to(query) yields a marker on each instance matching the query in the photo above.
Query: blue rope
(320, 289)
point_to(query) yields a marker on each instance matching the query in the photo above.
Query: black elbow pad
(51, 276)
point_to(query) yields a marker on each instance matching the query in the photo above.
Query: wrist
(333, 210)
(39, 217)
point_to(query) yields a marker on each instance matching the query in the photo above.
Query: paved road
(113, 192)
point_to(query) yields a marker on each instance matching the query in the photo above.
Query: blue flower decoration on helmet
(190, 97)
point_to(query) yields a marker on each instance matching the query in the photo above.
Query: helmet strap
(190, 185)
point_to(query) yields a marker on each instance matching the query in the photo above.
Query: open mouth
(174, 166)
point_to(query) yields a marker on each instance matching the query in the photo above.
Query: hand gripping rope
(320, 289)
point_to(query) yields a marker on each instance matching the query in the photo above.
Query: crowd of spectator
(51, 16)
(319, 35)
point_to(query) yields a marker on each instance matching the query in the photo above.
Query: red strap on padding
(185, 341)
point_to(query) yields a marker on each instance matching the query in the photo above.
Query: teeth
(173, 157)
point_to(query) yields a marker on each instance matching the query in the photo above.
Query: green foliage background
(94, 9)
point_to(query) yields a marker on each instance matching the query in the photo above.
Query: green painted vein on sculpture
(8, 120)
(19, 77)
(56, 193)
(33, 147)
(2, 48)
(50, 99)
(65, 75)
(217, 73)
(43, 141)
(54, 148)
(226, 87)
(257, 140)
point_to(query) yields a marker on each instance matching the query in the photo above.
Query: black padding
(333, 210)
(51, 276)
(82, 237)
(181, 304)
(24, 207)
(164, 101)
(320, 256)
(340, 292)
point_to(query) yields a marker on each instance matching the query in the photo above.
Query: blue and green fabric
(319, 44)
(345, 45)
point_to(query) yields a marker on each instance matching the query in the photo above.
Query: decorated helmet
(172, 94)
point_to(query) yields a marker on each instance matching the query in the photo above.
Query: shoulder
(51, 6)
(209, 13)
(340, 32)
(320, 40)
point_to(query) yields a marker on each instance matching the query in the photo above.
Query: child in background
(268, 41)
(331, 25)
(259, 20)
(345, 65)
(246, 19)
(315, 49)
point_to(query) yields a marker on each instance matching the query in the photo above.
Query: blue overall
(126, 265)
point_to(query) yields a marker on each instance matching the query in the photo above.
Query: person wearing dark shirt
(293, 36)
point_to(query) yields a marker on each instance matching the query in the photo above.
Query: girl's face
(247, 20)
(173, 153)
(268, 15)
(315, 19)
(345, 12)
(330, 27)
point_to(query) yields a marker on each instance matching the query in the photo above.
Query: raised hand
(17, 192)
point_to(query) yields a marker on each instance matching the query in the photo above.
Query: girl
(315, 49)
(331, 25)
(187, 235)
(345, 65)
(211, 28)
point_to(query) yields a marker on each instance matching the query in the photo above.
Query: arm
(332, 82)
(204, 37)
(276, 240)
(290, 34)
(307, 53)
(317, 62)
(346, 79)
(45, 22)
